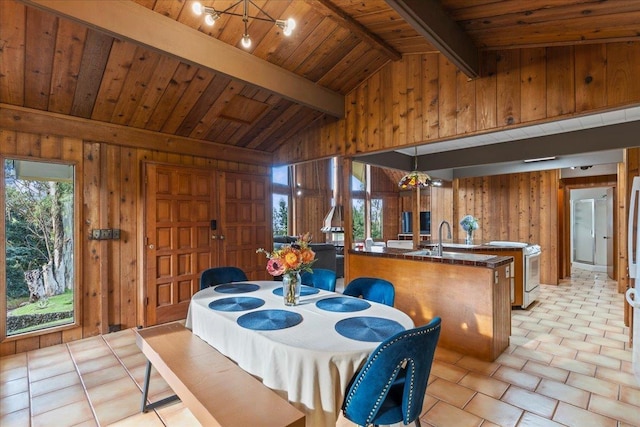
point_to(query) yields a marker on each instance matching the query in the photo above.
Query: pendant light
(415, 178)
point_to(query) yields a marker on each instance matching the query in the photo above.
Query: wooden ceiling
(102, 68)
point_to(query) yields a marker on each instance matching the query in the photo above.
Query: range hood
(333, 222)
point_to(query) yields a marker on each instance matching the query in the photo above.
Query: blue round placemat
(237, 288)
(364, 328)
(236, 304)
(342, 304)
(304, 291)
(269, 320)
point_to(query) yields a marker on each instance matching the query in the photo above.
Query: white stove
(531, 268)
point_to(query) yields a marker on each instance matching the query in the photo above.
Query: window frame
(77, 252)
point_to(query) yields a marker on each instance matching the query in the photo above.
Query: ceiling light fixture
(415, 178)
(211, 16)
(539, 159)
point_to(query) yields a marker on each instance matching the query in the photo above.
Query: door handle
(151, 246)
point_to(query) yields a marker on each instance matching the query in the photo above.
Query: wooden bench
(217, 391)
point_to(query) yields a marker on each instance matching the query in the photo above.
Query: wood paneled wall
(517, 207)
(110, 177)
(423, 98)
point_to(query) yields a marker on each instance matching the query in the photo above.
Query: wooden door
(180, 203)
(246, 222)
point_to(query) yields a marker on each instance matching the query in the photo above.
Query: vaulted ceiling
(155, 65)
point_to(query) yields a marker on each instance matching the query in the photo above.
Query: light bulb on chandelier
(212, 15)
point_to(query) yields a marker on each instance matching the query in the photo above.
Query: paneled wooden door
(246, 215)
(180, 203)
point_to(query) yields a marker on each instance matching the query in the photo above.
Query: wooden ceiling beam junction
(430, 20)
(326, 8)
(125, 19)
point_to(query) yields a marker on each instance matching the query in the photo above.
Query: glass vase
(291, 288)
(469, 239)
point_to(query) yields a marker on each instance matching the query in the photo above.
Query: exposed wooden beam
(22, 119)
(325, 7)
(429, 19)
(126, 19)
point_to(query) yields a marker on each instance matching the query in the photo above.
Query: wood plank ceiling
(55, 64)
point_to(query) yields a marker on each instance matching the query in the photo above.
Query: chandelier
(211, 16)
(415, 178)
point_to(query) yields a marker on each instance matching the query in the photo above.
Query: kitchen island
(471, 292)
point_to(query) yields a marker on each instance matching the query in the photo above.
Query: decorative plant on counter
(289, 261)
(469, 224)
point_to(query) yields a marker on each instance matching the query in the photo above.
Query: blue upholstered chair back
(372, 289)
(320, 278)
(391, 385)
(217, 275)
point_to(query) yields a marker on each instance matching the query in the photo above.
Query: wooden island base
(474, 302)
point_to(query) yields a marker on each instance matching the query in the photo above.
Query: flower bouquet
(289, 261)
(469, 224)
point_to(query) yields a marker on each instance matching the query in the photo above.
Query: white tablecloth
(309, 364)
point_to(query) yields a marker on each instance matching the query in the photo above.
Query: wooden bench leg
(145, 392)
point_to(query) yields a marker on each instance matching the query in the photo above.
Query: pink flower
(275, 267)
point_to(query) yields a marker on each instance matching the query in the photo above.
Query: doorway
(590, 218)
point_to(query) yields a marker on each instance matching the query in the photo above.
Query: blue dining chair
(391, 385)
(218, 275)
(372, 289)
(321, 278)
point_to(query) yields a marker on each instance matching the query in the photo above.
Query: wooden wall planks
(109, 178)
(518, 87)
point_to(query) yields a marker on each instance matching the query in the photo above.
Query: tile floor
(569, 364)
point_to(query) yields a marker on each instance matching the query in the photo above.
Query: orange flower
(307, 255)
(291, 258)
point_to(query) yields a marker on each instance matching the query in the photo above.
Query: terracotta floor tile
(479, 366)
(103, 376)
(125, 405)
(530, 401)
(112, 390)
(606, 342)
(577, 417)
(19, 385)
(574, 365)
(13, 374)
(483, 384)
(100, 363)
(511, 361)
(447, 356)
(54, 399)
(149, 419)
(564, 393)
(72, 414)
(58, 382)
(616, 376)
(16, 419)
(443, 415)
(546, 371)
(599, 360)
(630, 395)
(494, 410)
(594, 385)
(447, 371)
(178, 415)
(581, 345)
(451, 393)
(14, 402)
(519, 378)
(533, 420)
(53, 370)
(14, 361)
(557, 350)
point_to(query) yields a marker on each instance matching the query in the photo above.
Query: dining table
(307, 353)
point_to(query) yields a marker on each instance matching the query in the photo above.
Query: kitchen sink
(452, 255)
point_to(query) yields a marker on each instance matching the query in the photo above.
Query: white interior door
(583, 231)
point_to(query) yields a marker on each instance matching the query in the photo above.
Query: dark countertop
(492, 262)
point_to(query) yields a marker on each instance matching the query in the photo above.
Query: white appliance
(633, 294)
(530, 267)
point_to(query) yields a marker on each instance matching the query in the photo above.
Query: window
(38, 246)
(366, 211)
(280, 195)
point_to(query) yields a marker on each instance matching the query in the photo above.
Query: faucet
(439, 247)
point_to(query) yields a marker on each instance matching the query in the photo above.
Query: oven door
(531, 271)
